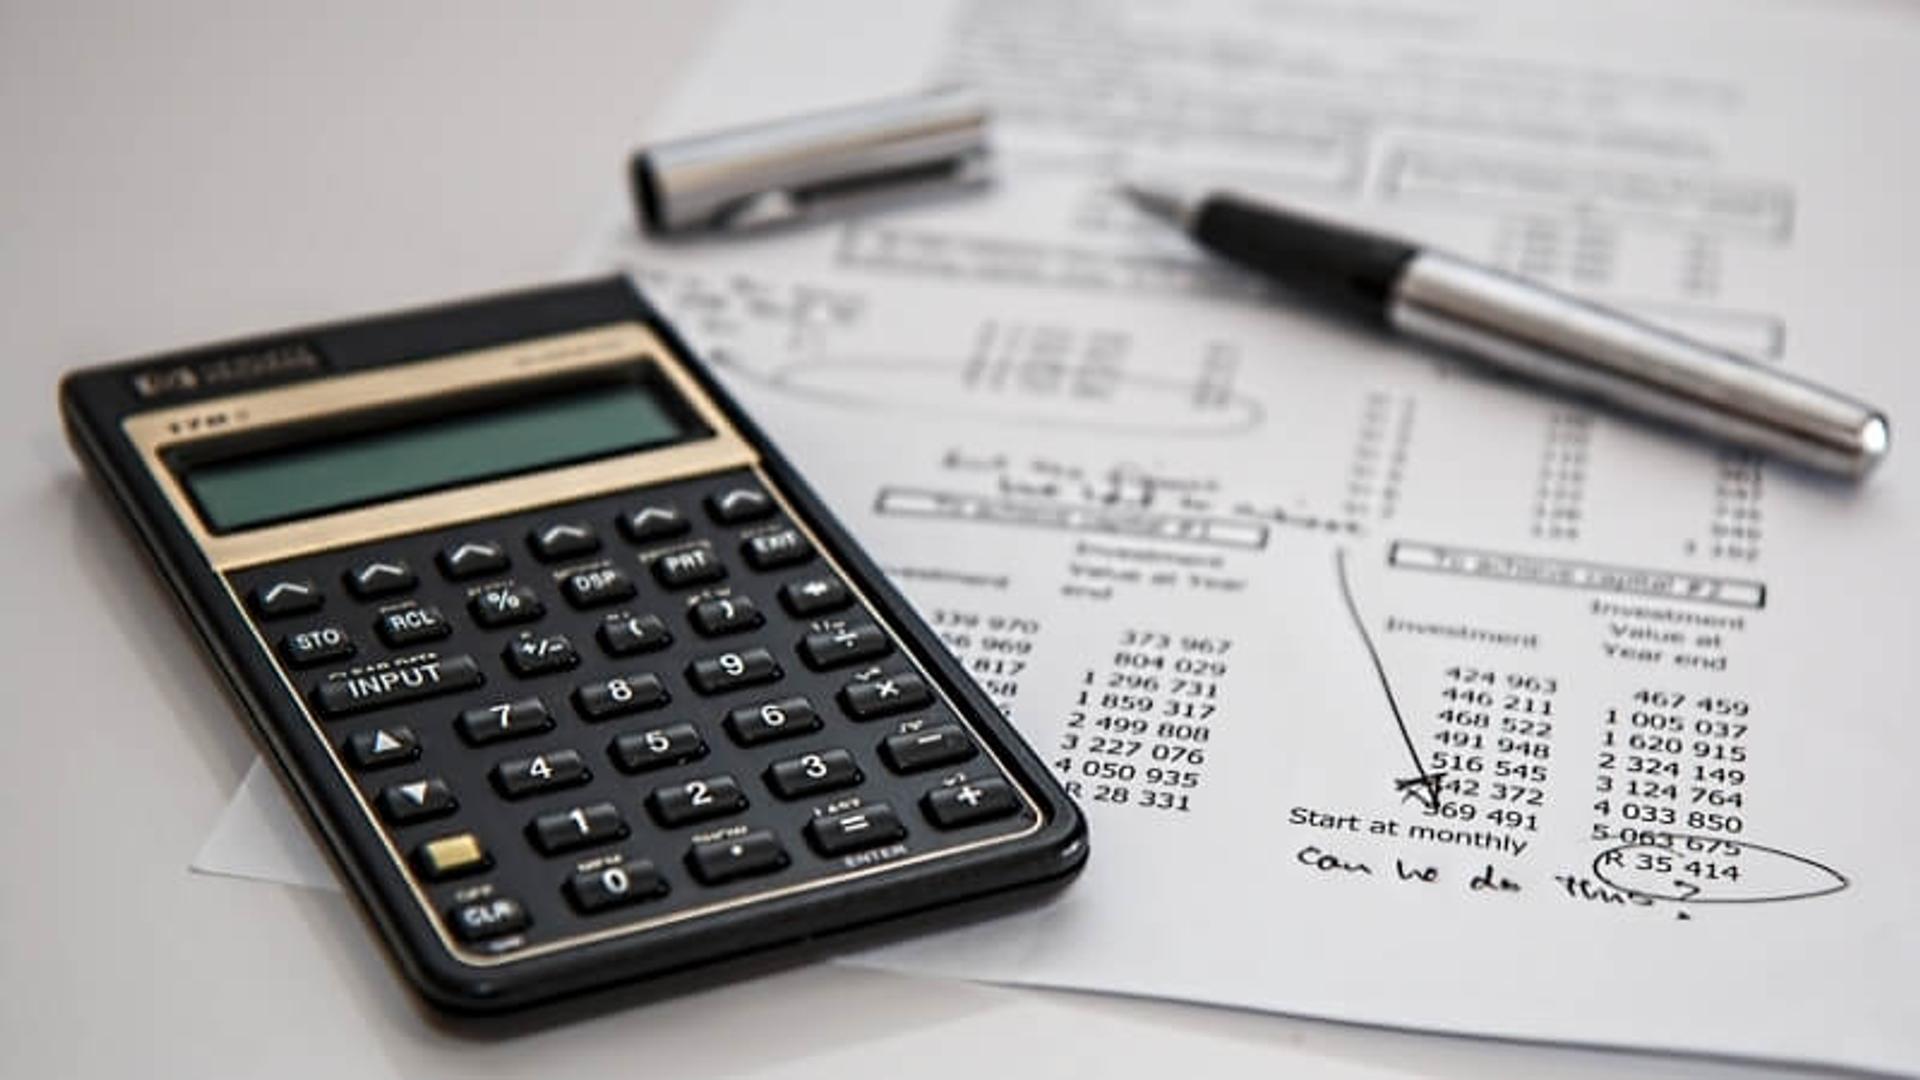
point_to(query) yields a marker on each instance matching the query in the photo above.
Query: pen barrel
(1557, 339)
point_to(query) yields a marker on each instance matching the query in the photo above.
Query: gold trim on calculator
(615, 345)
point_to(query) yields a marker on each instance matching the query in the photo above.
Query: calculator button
(884, 695)
(381, 577)
(725, 615)
(739, 506)
(732, 670)
(582, 826)
(657, 748)
(855, 830)
(383, 747)
(811, 774)
(290, 596)
(450, 856)
(926, 749)
(721, 861)
(624, 635)
(483, 920)
(773, 550)
(563, 540)
(472, 558)
(418, 800)
(536, 654)
(696, 800)
(653, 523)
(517, 778)
(370, 690)
(969, 803)
(597, 588)
(309, 648)
(752, 725)
(609, 887)
(814, 596)
(505, 605)
(412, 624)
(687, 566)
(848, 645)
(504, 720)
(619, 696)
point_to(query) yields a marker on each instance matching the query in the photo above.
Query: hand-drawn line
(1423, 785)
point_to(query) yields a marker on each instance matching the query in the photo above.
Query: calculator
(577, 679)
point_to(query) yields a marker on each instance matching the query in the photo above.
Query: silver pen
(1535, 332)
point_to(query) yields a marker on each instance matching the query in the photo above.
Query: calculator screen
(422, 454)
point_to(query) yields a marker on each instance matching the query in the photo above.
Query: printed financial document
(1396, 693)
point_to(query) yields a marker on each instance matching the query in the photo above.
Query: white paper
(1170, 520)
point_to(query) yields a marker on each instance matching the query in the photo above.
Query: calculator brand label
(229, 371)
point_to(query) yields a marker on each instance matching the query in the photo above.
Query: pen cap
(792, 168)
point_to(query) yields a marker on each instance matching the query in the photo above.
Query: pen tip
(1158, 200)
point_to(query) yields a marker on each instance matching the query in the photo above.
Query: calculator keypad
(622, 709)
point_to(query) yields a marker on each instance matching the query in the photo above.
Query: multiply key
(370, 690)
(884, 695)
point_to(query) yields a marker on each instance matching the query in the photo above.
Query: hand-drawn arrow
(1423, 785)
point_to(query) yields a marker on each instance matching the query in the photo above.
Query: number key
(582, 826)
(504, 720)
(811, 774)
(783, 719)
(696, 800)
(619, 696)
(615, 886)
(732, 670)
(657, 748)
(517, 778)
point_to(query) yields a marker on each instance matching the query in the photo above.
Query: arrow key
(563, 540)
(473, 558)
(380, 577)
(417, 800)
(288, 596)
(383, 747)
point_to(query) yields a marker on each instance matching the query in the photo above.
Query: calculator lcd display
(433, 453)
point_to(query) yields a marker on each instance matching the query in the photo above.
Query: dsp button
(609, 887)
(855, 830)
(696, 800)
(563, 540)
(720, 861)
(473, 558)
(687, 566)
(786, 718)
(310, 648)
(827, 649)
(597, 588)
(771, 551)
(484, 920)
(366, 691)
(582, 826)
(970, 803)
(732, 670)
(380, 577)
(288, 596)
(411, 624)
(884, 694)
(419, 800)
(504, 720)
(739, 505)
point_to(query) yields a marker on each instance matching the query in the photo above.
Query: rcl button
(412, 624)
(488, 919)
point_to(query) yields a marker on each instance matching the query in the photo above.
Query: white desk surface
(179, 173)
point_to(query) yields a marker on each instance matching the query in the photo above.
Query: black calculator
(578, 680)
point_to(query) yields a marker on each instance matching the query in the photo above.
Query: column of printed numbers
(1141, 724)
